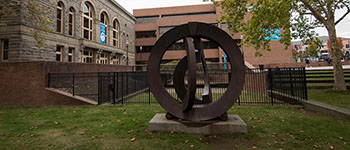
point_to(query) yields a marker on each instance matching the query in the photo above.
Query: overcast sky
(343, 28)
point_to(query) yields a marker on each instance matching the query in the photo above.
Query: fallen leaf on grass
(192, 146)
(56, 123)
(81, 133)
(341, 138)
(316, 146)
(133, 139)
(331, 147)
(254, 147)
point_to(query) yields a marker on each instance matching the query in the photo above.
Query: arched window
(87, 21)
(60, 9)
(71, 21)
(104, 20)
(116, 37)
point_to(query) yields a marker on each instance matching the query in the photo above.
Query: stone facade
(19, 27)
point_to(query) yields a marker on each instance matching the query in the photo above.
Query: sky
(343, 28)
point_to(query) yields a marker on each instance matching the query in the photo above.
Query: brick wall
(24, 83)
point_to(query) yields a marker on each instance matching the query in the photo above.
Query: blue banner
(225, 61)
(102, 33)
(273, 34)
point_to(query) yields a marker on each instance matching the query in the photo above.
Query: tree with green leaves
(314, 48)
(292, 17)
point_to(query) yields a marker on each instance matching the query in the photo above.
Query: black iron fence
(262, 87)
(288, 84)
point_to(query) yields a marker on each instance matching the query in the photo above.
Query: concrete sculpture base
(234, 124)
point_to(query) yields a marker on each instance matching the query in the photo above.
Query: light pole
(127, 52)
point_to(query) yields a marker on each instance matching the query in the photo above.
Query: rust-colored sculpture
(191, 110)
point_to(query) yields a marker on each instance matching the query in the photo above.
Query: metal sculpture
(191, 110)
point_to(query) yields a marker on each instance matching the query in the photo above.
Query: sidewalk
(326, 67)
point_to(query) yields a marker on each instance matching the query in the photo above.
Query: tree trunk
(339, 81)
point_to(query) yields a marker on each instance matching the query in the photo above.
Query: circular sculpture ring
(198, 112)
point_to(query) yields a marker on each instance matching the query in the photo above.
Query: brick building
(153, 22)
(86, 31)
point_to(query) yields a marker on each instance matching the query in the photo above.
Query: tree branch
(341, 18)
(325, 11)
(314, 12)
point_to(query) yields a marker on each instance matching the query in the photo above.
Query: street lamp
(127, 52)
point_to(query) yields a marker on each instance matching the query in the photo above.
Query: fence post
(149, 95)
(305, 84)
(271, 85)
(48, 79)
(73, 85)
(291, 82)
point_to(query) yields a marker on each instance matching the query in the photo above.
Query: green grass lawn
(114, 127)
(341, 99)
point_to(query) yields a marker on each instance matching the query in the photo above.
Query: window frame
(90, 19)
(84, 57)
(71, 51)
(60, 7)
(116, 32)
(2, 48)
(59, 52)
(71, 25)
(103, 58)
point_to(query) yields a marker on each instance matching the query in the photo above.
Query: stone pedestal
(234, 124)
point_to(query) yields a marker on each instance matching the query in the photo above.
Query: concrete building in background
(85, 31)
(152, 23)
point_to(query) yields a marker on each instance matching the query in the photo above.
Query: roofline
(121, 7)
(173, 6)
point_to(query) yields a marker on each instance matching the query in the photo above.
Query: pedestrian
(347, 56)
(308, 63)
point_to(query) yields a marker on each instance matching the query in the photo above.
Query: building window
(143, 49)
(116, 38)
(104, 20)
(87, 21)
(103, 58)
(347, 45)
(146, 19)
(71, 21)
(115, 60)
(87, 57)
(60, 9)
(71, 54)
(59, 52)
(4, 47)
(146, 34)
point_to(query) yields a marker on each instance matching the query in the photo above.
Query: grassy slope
(341, 99)
(112, 127)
